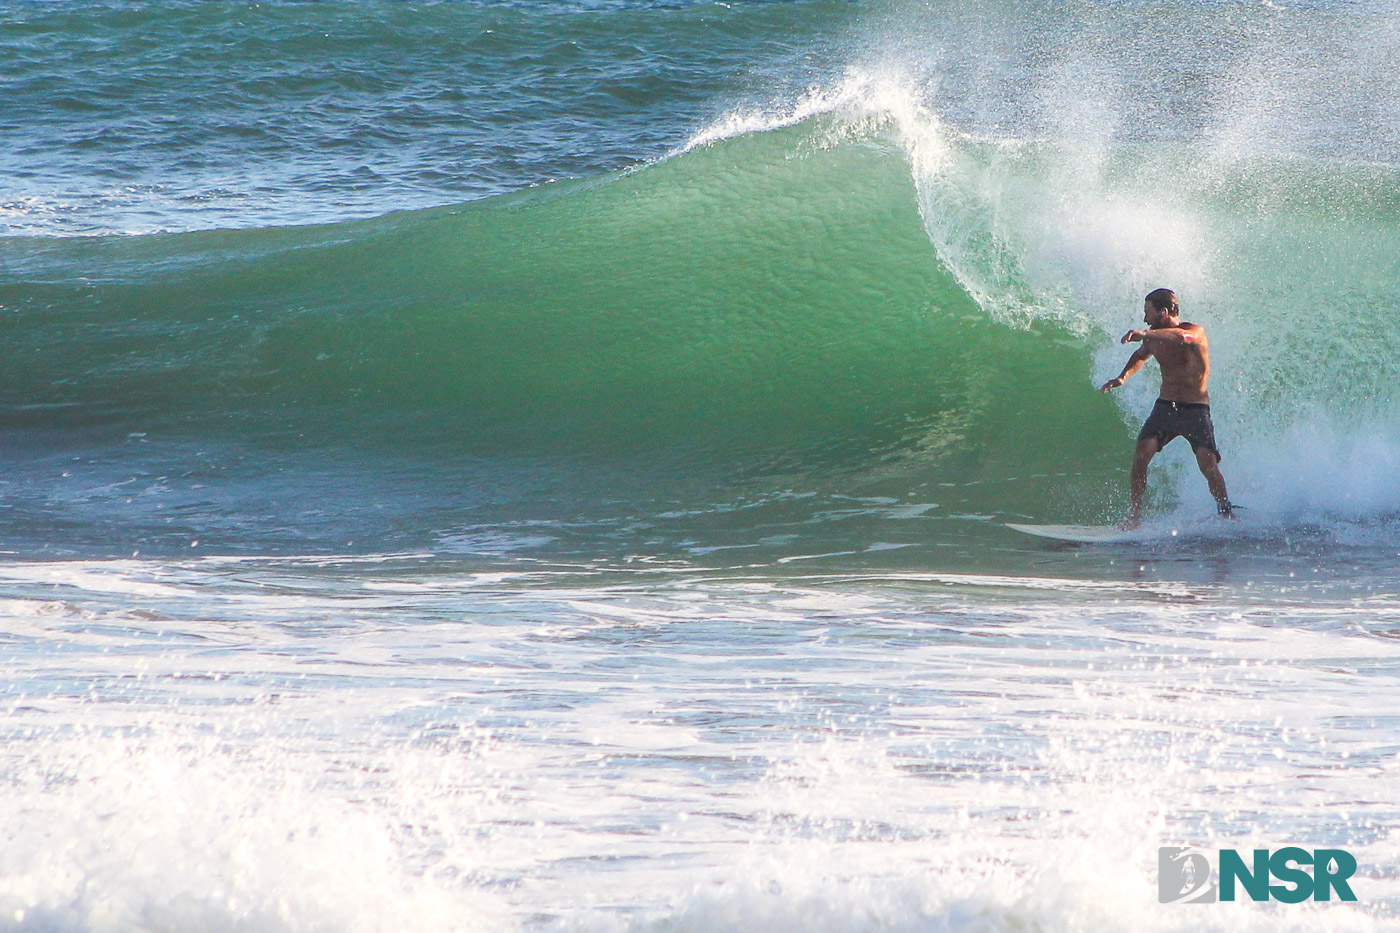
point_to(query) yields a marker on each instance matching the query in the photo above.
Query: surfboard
(1080, 534)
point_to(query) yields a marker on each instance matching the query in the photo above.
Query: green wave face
(768, 304)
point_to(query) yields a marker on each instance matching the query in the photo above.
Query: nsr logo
(1183, 876)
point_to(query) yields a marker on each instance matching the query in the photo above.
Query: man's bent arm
(1171, 335)
(1135, 362)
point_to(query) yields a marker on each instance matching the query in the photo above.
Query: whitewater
(543, 466)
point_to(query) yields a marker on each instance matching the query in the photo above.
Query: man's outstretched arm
(1135, 362)
(1174, 335)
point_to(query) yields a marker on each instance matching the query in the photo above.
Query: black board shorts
(1190, 420)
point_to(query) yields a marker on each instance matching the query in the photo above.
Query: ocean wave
(848, 284)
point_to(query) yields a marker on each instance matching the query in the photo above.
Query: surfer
(1183, 405)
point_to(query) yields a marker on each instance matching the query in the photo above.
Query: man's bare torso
(1185, 366)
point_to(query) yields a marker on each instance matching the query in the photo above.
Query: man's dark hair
(1164, 299)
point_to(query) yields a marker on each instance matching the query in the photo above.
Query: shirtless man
(1183, 406)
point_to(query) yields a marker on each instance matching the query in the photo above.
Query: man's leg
(1209, 462)
(1147, 448)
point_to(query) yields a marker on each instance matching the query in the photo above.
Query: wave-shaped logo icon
(1183, 877)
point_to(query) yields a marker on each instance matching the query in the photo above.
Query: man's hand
(1111, 384)
(1133, 336)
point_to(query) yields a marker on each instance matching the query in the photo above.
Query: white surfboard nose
(1082, 534)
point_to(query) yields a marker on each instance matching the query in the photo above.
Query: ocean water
(542, 466)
